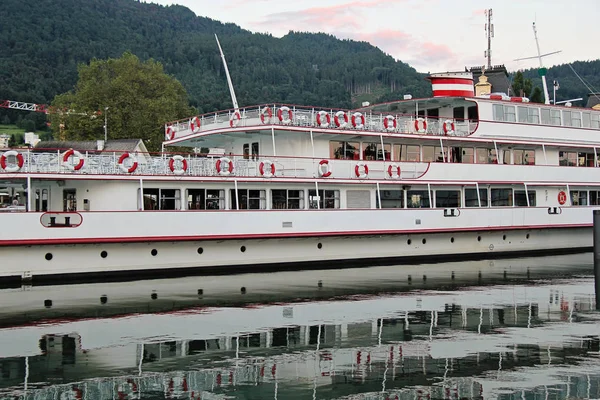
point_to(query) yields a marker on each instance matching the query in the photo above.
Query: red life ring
(355, 123)
(123, 167)
(73, 153)
(235, 118)
(323, 119)
(178, 171)
(562, 197)
(448, 126)
(13, 168)
(336, 119)
(269, 171)
(266, 112)
(389, 119)
(394, 168)
(228, 170)
(287, 118)
(418, 127)
(194, 124)
(327, 172)
(365, 170)
(169, 133)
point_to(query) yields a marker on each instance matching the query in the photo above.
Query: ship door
(41, 199)
(69, 200)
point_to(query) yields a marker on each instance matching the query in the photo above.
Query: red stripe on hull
(453, 93)
(451, 81)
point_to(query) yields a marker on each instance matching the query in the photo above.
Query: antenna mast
(231, 91)
(489, 29)
(542, 71)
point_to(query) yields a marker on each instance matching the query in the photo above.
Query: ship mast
(542, 71)
(489, 29)
(231, 91)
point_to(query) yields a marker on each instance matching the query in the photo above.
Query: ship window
(468, 155)
(501, 197)
(521, 200)
(41, 200)
(206, 199)
(326, 199)
(440, 154)
(585, 120)
(249, 199)
(417, 199)
(545, 116)
(522, 114)
(595, 121)
(523, 157)
(447, 198)
(246, 151)
(498, 112)
(533, 115)
(372, 151)
(161, 199)
(459, 113)
(287, 199)
(428, 153)
(472, 113)
(344, 150)
(471, 199)
(486, 156)
(555, 117)
(391, 199)
(69, 200)
(407, 153)
(567, 158)
(358, 199)
(566, 118)
(594, 198)
(255, 151)
(576, 119)
(579, 197)
(509, 114)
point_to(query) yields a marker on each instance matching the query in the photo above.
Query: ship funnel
(452, 84)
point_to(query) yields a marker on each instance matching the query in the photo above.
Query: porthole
(527, 236)
(243, 249)
(320, 246)
(103, 254)
(503, 237)
(200, 250)
(49, 256)
(424, 241)
(154, 252)
(408, 242)
(479, 238)
(451, 240)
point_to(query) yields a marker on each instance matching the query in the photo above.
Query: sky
(430, 35)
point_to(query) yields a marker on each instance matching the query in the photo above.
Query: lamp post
(105, 124)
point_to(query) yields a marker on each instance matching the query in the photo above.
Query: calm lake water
(502, 329)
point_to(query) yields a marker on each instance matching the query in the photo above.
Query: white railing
(112, 163)
(278, 115)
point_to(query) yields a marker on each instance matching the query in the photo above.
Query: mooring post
(597, 256)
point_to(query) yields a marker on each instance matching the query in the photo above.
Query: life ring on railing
(323, 119)
(194, 124)
(224, 166)
(394, 171)
(562, 197)
(267, 168)
(265, 115)
(448, 127)
(287, 118)
(235, 118)
(75, 154)
(123, 167)
(390, 123)
(341, 115)
(169, 132)
(358, 120)
(12, 168)
(420, 125)
(183, 162)
(361, 170)
(324, 169)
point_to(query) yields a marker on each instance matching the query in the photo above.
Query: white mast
(231, 91)
(542, 70)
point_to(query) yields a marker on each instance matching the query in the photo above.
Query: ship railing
(269, 116)
(201, 165)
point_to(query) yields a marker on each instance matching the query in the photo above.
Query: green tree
(6, 120)
(521, 86)
(537, 96)
(137, 97)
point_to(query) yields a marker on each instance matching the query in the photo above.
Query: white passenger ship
(457, 175)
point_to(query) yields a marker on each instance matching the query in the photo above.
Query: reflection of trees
(345, 150)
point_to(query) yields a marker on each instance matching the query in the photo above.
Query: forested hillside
(42, 42)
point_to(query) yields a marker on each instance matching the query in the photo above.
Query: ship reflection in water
(503, 329)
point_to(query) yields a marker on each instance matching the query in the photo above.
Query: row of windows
(252, 199)
(549, 116)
